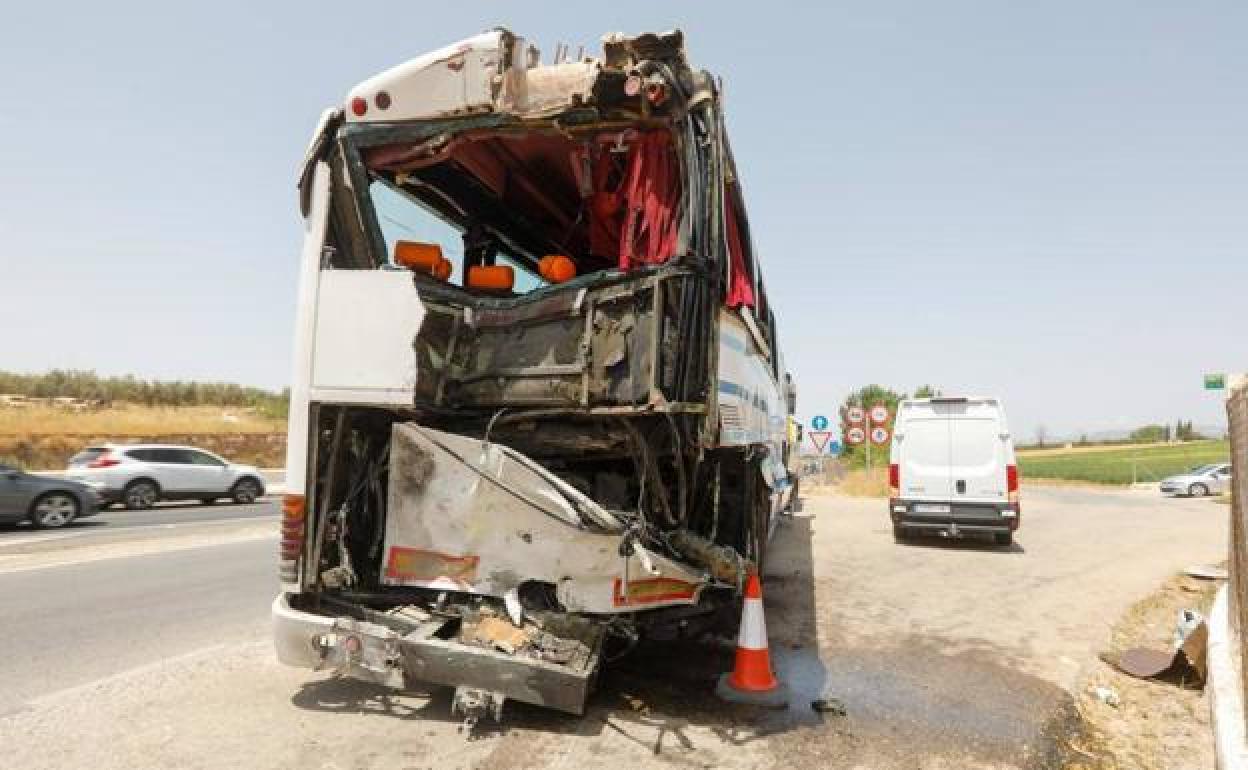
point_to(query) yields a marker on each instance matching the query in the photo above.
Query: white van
(952, 470)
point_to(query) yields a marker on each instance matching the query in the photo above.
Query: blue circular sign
(819, 422)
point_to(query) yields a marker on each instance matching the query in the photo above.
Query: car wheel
(245, 491)
(1003, 538)
(55, 509)
(1198, 490)
(140, 495)
(208, 500)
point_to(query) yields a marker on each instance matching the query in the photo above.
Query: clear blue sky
(1043, 201)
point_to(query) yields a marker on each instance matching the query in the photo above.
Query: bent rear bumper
(375, 653)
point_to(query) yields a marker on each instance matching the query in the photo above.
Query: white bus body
(536, 373)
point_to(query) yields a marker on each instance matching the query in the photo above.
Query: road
(945, 655)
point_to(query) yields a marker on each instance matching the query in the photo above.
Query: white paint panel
(457, 79)
(305, 314)
(366, 321)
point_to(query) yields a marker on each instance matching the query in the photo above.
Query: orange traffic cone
(751, 680)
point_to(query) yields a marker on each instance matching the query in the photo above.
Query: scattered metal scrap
(1184, 661)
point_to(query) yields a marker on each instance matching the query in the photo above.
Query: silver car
(44, 501)
(139, 475)
(1213, 479)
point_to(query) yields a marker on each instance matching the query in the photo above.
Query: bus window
(403, 218)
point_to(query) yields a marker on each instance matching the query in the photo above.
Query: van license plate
(930, 508)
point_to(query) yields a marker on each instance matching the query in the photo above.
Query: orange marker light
(491, 277)
(423, 258)
(556, 268)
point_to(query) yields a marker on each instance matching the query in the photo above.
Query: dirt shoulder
(1155, 725)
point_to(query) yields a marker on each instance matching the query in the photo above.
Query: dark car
(44, 501)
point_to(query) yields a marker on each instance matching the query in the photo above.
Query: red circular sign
(855, 414)
(879, 414)
(879, 435)
(855, 435)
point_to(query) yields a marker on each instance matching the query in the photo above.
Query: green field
(1114, 466)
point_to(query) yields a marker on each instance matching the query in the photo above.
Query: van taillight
(1011, 482)
(290, 548)
(104, 461)
(894, 480)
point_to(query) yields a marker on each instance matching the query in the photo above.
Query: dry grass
(133, 420)
(857, 483)
(1157, 725)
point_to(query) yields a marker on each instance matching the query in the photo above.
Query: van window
(927, 440)
(975, 440)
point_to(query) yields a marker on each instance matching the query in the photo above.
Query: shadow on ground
(908, 699)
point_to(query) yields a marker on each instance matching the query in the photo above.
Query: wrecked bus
(539, 409)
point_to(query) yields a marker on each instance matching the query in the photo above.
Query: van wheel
(1198, 490)
(1003, 538)
(900, 534)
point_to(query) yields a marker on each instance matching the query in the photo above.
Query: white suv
(139, 475)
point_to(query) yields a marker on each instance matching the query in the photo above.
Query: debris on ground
(828, 705)
(1206, 572)
(1156, 725)
(1184, 663)
(1108, 696)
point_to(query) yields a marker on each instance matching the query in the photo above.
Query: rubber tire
(1003, 538)
(900, 534)
(208, 501)
(1198, 490)
(37, 523)
(245, 491)
(140, 505)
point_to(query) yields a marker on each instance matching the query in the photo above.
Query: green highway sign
(1215, 382)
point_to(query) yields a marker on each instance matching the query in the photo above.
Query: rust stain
(417, 564)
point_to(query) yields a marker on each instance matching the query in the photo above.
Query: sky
(1045, 202)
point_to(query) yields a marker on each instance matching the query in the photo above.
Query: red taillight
(894, 476)
(104, 461)
(359, 105)
(1011, 478)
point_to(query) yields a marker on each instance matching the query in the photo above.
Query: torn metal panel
(465, 515)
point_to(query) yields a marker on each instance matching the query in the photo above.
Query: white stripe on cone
(753, 633)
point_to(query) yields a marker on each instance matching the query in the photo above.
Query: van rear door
(924, 452)
(977, 455)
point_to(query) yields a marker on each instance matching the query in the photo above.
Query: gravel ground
(944, 655)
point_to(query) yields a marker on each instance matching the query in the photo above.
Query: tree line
(87, 385)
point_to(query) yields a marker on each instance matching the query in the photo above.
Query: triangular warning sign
(820, 439)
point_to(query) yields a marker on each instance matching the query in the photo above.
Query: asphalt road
(118, 524)
(69, 625)
(942, 654)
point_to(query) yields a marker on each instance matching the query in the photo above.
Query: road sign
(879, 414)
(819, 422)
(819, 438)
(854, 414)
(879, 435)
(1215, 382)
(855, 435)
(834, 448)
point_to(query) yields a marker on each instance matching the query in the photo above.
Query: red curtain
(740, 288)
(634, 218)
